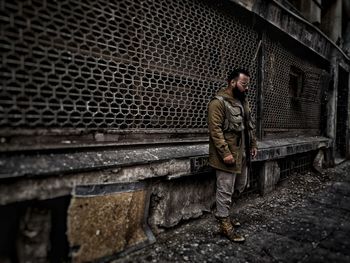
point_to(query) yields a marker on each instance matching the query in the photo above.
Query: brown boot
(235, 222)
(227, 230)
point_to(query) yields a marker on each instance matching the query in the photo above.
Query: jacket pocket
(235, 114)
(234, 119)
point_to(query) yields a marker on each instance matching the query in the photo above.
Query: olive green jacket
(222, 143)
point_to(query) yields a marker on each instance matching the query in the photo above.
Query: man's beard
(239, 94)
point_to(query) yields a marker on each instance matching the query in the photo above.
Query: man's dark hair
(235, 74)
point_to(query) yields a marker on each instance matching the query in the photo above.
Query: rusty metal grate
(117, 64)
(283, 111)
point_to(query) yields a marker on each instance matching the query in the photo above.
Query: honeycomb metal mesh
(118, 64)
(280, 111)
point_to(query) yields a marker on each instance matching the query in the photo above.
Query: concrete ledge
(279, 148)
(49, 164)
(193, 157)
(121, 166)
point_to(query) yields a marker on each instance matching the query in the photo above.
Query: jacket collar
(227, 97)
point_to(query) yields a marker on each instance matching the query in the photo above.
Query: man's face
(242, 83)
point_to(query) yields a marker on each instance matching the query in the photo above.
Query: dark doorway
(342, 109)
(46, 219)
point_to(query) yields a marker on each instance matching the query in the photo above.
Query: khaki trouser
(226, 183)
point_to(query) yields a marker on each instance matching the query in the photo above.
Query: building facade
(103, 112)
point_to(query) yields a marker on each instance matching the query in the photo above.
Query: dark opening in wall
(298, 163)
(342, 109)
(296, 4)
(253, 179)
(34, 231)
(296, 82)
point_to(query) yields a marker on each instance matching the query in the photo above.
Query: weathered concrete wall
(64, 162)
(332, 103)
(268, 177)
(106, 222)
(319, 161)
(248, 4)
(279, 148)
(166, 162)
(55, 186)
(348, 124)
(332, 21)
(181, 199)
(101, 224)
(295, 27)
(312, 11)
(299, 28)
(346, 36)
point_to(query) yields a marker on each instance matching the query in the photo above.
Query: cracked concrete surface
(306, 219)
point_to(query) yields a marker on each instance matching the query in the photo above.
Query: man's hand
(253, 152)
(229, 159)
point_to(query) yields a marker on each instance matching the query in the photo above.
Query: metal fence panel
(118, 64)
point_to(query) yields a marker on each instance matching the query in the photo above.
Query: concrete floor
(306, 219)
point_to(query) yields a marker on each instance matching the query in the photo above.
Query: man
(232, 139)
